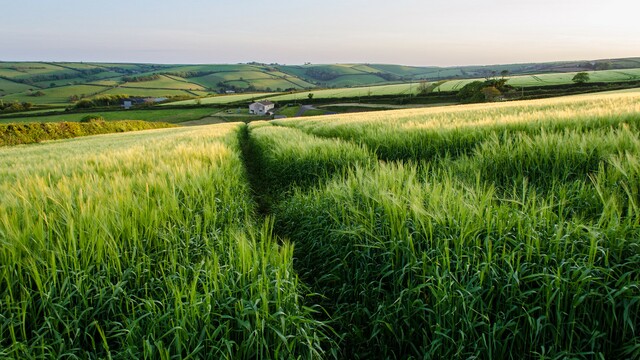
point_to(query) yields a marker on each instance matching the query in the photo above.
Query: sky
(410, 32)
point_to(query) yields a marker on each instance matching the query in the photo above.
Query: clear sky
(412, 32)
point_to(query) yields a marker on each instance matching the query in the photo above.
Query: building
(263, 107)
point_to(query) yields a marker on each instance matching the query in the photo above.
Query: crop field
(503, 230)
(553, 79)
(143, 245)
(130, 91)
(224, 99)
(153, 115)
(364, 91)
(165, 82)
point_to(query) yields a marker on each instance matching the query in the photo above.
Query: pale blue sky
(413, 32)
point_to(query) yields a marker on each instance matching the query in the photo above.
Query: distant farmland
(57, 84)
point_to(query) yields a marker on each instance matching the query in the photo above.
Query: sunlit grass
(143, 245)
(506, 231)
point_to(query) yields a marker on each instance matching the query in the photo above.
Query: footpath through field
(518, 220)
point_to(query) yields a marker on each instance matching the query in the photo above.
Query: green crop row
(285, 158)
(144, 247)
(27, 133)
(431, 263)
(508, 231)
(423, 134)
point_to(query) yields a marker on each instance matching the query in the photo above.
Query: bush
(15, 134)
(92, 118)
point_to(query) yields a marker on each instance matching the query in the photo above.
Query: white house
(261, 107)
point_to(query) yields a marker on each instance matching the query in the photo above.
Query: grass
(7, 87)
(364, 92)
(552, 79)
(516, 237)
(143, 245)
(57, 95)
(503, 230)
(165, 82)
(421, 134)
(130, 91)
(153, 115)
(287, 158)
(224, 99)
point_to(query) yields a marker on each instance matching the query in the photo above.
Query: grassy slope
(165, 82)
(7, 87)
(57, 95)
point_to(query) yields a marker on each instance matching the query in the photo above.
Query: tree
(581, 78)
(424, 88)
(310, 96)
(471, 92)
(504, 73)
(491, 93)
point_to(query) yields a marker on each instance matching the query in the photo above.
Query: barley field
(486, 231)
(143, 245)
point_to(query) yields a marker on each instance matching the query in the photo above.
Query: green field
(57, 95)
(154, 115)
(7, 87)
(128, 245)
(165, 82)
(395, 89)
(23, 70)
(487, 228)
(223, 99)
(504, 230)
(552, 79)
(130, 91)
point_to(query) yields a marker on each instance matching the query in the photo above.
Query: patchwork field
(59, 81)
(507, 230)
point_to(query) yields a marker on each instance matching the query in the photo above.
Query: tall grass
(525, 244)
(286, 158)
(143, 246)
(444, 269)
(425, 134)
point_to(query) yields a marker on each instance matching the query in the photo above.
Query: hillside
(60, 84)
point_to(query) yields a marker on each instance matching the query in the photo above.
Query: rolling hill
(61, 83)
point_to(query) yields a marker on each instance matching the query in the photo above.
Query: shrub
(92, 118)
(15, 134)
